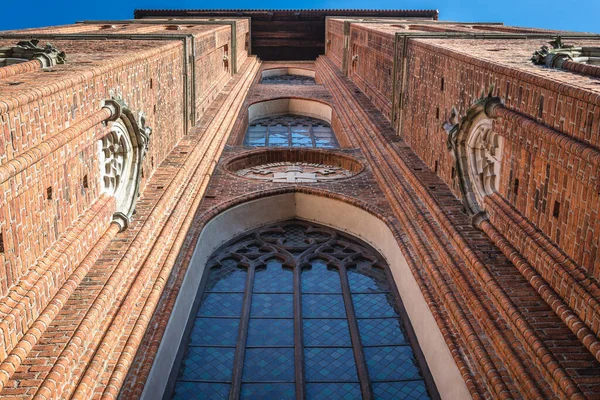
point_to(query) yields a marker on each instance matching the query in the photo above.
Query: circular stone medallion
(294, 172)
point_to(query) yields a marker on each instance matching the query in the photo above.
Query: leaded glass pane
(367, 280)
(328, 391)
(330, 364)
(270, 332)
(221, 304)
(272, 305)
(290, 130)
(391, 363)
(301, 137)
(224, 279)
(374, 305)
(269, 365)
(256, 136)
(379, 332)
(279, 136)
(194, 390)
(273, 278)
(262, 391)
(414, 390)
(215, 332)
(326, 332)
(323, 306)
(207, 364)
(319, 278)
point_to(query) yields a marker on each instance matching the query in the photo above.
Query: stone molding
(121, 153)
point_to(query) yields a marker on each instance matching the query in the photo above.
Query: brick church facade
(154, 173)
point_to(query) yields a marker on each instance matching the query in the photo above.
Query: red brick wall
(29, 219)
(372, 71)
(212, 73)
(546, 173)
(334, 42)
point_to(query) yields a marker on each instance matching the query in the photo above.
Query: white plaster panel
(308, 108)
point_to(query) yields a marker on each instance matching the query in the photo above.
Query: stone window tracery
(290, 131)
(484, 148)
(298, 309)
(114, 163)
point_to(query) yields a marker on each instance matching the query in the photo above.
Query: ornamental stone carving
(295, 172)
(483, 147)
(28, 50)
(120, 154)
(113, 148)
(300, 165)
(559, 53)
(477, 152)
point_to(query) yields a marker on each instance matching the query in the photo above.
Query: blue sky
(578, 15)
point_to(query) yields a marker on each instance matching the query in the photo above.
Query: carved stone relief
(28, 50)
(484, 147)
(294, 172)
(120, 154)
(112, 158)
(560, 52)
(477, 152)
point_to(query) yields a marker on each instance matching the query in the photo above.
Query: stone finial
(560, 52)
(28, 50)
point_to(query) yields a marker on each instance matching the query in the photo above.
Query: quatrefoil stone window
(113, 159)
(484, 149)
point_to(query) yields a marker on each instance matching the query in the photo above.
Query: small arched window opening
(298, 310)
(290, 131)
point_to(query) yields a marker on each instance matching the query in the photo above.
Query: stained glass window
(290, 131)
(298, 310)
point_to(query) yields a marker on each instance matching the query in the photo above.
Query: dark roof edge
(333, 12)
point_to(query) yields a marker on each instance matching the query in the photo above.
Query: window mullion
(312, 135)
(267, 134)
(357, 348)
(289, 135)
(240, 350)
(298, 336)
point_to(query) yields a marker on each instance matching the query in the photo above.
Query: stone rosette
(294, 166)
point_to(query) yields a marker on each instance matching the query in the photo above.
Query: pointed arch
(347, 215)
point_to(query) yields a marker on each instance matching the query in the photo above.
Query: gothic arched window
(290, 131)
(298, 310)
